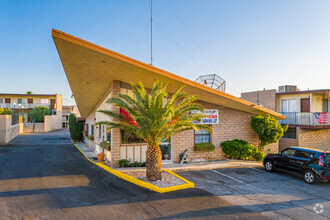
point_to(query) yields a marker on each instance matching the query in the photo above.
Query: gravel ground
(167, 179)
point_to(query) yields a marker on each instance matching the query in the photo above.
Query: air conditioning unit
(287, 88)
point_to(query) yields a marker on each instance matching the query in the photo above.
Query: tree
(268, 129)
(29, 92)
(153, 121)
(38, 114)
(75, 127)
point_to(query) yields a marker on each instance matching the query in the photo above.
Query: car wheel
(310, 177)
(269, 166)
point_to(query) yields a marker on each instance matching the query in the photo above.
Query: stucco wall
(53, 122)
(7, 131)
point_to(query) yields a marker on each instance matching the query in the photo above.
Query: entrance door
(305, 105)
(52, 103)
(166, 148)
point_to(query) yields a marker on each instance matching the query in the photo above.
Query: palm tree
(153, 121)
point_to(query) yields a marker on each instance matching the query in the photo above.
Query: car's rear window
(326, 157)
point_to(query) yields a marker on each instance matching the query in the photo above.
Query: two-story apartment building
(67, 110)
(307, 114)
(23, 103)
(95, 74)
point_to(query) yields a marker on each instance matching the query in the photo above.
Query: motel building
(95, 74)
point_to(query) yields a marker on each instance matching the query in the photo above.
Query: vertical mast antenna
(151, 32)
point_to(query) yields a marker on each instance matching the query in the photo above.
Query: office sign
(212, 116)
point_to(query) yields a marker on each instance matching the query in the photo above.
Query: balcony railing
(306, 118)
(22, 106)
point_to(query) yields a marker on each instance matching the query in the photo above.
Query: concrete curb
(230, 164)
(141, 183)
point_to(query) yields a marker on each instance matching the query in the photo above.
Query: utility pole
(151, 32)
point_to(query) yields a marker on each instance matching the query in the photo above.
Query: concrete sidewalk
(204, 165)
(88, 152)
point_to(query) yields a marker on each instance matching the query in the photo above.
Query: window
(288, 152)
(289, 105)
(92, 129)
(129, 138)
(21, 101)
(325, 105)
(44, 101)
(290, 133)
(202, 136)
(87, 128)
(1, 100)
(303, 154)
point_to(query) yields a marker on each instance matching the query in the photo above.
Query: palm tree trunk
(154, 163)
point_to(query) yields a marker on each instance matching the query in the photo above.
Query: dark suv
(313, 163)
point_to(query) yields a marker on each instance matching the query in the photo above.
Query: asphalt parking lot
(277, 195)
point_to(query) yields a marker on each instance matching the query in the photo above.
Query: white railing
(22, 106)
(304, 118)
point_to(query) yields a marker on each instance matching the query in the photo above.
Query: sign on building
(212, 116)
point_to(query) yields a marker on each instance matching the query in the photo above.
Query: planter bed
(167, 178)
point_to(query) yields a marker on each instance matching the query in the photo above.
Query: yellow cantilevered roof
(90, 69)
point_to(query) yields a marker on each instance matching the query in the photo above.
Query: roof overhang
(90, 69)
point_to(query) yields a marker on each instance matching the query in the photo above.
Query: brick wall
(232, 124)
(314, 138)
(267, 98)
(287, 142)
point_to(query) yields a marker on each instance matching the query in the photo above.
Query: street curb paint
(142, 183)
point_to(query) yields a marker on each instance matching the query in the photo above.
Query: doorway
(305, 105)
(166, 148)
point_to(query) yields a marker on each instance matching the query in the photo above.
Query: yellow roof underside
(90, 69)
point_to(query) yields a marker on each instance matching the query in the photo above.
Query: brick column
(115, 133)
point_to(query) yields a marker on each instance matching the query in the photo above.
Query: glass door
(166, 148)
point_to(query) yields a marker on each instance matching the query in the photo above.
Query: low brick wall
(311, 138)
(287, 142)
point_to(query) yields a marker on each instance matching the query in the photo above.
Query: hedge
(75, 128)
(240, 149)
(204, 147)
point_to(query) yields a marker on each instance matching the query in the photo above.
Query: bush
(136, 164)
(105, 145)
(90, 137)
(240, 149)
(38, 114)
(123, 163)
(5, 111)
(75, 128)
(268, 129)
(204, 147)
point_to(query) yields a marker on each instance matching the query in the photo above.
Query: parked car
(313, 163)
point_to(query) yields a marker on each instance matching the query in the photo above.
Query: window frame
(289, 105)
(209, 134)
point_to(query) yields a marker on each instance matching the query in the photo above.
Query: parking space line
(227, 176)
(256, 169)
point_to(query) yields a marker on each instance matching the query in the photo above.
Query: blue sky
(252, 44)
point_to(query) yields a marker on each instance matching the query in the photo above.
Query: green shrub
(75, 128)
(38, 114)
(5, 111)
(204, 147)
(123, 163)
(268, 129)
(240, 149)
(143, 164)
(90, 137)
(136, 164)
(105, 145)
